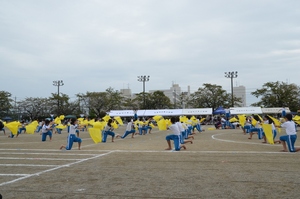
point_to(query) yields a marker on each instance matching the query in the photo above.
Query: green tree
(5, 103)
(278, 94)
(213, 96)
(98, 103)
(158, 100)
(33, 108)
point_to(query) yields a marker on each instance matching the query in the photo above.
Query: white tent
(274, 110)
(245, 110)
(162, 112)
(198, 111)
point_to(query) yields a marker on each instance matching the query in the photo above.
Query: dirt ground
(219, 164)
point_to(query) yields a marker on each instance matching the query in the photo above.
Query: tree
(33, 108)
(155, 100)
(278, 94)
(211, 95)
(5, 103)
(158, 100)
(98, 103)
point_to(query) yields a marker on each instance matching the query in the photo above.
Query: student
(268, 120)
(72, 137)
(227, 113)
(22, 128)
(2, 127)
(175, 136)
(291, 135)
(148, 125)
(198, 124)
(41, 123)
(257, 129)
(283, 112)
(108, 130)
(182, 133)
(130, 129)
(47, 130)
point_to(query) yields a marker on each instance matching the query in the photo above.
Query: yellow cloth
(60, 126)
(157, 118)
(202, 120)
(106, 118)
(162, 125)
(242, 120)
(30, 128)
(267, 128)
(99, 125)
(95, 134)
(233, 120)
(13, 127)
(119, 120)
(57, 120)
(114, 125)
(183, 119)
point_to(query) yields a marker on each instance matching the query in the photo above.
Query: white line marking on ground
(59, 167)
(28, 165)
(58, 153)
(223, 140)
(14, 174)
(10, 158)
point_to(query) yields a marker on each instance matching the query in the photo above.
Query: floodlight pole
(58, 83)
(231, 75)
(144, 78)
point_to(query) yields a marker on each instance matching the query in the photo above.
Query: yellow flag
(233, 120)
(95, 134)
(183, 119)
(119, 120)
(106, 118)
(99, 125)
(296, 118)
(30, 128)
(157, 118)
(267, 128)
(57, 120)
(253, 122)
(13, 127)
(115, 125)
(276, 122)
(202, 120)
(242, 120)
(60, 126)
(61, 117)
(162, 125)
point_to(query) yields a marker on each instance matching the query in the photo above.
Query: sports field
(219, 164)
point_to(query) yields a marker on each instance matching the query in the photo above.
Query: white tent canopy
(198, 111)
(275, 110)
(162, 112)
(245, 110)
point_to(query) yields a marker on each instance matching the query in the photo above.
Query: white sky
(95, 44)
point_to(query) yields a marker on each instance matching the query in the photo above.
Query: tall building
(174, 95)
(240, 92)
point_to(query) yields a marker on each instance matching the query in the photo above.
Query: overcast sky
(95, 44)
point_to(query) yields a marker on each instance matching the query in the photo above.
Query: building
(240, 92)
(175, 94)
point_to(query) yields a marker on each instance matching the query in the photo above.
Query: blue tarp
(219, 111)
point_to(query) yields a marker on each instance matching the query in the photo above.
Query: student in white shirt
(72, 136)
(175, 136)
(291, 135)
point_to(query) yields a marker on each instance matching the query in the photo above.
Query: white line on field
(14, 174)
(28, 165)
(59, 167)
(59, 153)
(223, 140)
(10, 158)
